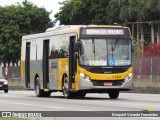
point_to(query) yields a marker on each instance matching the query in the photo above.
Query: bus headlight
(87, 78)
(82, 75)
(5, 83)
(128, 77)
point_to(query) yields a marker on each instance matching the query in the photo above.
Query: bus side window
(61, 53)
(54, 54)
(64, 46)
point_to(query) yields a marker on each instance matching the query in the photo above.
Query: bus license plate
(107, 83)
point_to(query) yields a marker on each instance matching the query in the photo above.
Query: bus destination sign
(107, 31)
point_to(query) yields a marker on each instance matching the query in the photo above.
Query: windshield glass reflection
(102, 52)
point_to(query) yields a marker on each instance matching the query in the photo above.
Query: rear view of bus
(105, 60)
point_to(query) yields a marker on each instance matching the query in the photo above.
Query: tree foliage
(108, 11)
(16, 21)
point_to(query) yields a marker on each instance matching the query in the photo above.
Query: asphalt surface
(92, 103)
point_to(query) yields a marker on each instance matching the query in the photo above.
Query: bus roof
(66, 29)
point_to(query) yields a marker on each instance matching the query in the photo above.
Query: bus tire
(80, 94)
(66, 92)
(6, 91)
(38, 91)
(113, 94)
(47, 94)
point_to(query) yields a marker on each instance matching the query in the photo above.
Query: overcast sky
(48, 4)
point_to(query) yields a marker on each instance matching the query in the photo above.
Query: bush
(153, 49)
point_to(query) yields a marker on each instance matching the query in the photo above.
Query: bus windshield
(105, 52)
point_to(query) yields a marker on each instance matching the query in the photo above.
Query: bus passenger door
(45, 63)
(27, 65)
(71, 61)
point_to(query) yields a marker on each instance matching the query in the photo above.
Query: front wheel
(6, 91)
(66, 92)
(113, 94)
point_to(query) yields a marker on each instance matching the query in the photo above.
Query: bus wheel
(6, 91)
(81, 94)
(113, 94)
(47, 94)
(66, 92)
(38, 91)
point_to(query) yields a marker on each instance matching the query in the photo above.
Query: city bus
(78, 59)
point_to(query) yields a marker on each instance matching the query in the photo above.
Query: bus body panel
(98, 81)
(57, 66)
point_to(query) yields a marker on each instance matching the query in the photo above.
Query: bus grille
(101, 82)
(1, 83)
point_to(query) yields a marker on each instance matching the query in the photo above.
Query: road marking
(65, 108)
(151, 118)
(53, 107)
(22, 103)
(15, 103)
(129, 103)
(85, 110)
(149, 107)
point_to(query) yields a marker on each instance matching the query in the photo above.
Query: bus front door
(72, 60)
(45, 63)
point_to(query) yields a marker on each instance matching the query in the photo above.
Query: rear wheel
(113, 94)
(6, 91)
(66, 92)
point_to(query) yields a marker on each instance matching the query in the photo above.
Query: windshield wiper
(114, 46)
(93, 47)
(112, 49)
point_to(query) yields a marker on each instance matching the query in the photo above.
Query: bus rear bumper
(88, 85)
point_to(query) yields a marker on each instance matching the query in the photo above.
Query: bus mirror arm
(77, 46)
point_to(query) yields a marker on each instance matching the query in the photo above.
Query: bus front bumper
(98, 85)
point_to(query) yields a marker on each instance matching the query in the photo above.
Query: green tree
(128, 10)
(108, 11)
(113, 11)
(140, 10)
(16, 21)
(74, 12)
(149, 10)
(83, 12)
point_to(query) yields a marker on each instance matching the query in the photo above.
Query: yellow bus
(78, 59)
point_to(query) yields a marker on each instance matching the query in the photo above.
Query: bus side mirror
(77, 46)
(132, 46)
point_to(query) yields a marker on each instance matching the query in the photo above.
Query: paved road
(27, 101)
